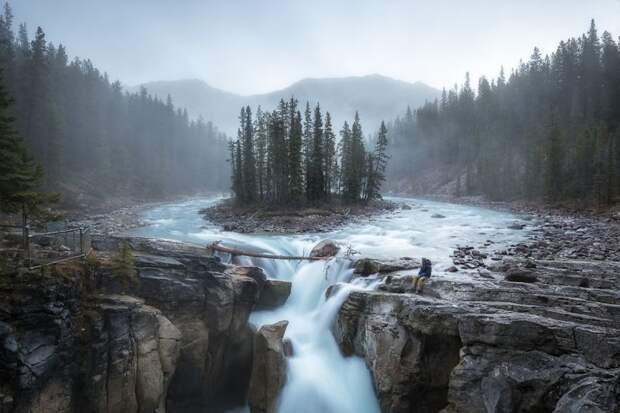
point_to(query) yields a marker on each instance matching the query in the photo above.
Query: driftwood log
(211, 248)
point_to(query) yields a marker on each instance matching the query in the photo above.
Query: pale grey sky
(250, 47)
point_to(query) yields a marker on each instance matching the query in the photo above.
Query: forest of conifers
(549, 131)
(282, 158)
(91, 137)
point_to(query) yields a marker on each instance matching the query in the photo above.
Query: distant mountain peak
(377, 97)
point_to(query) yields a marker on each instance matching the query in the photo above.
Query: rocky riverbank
(533, 327)
(292, 220)
(175, 339)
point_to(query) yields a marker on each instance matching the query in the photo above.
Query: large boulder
(368, 266)
(274, 294)
(269, 370)
(324, 249)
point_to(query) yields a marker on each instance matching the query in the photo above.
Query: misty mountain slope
(376, 97)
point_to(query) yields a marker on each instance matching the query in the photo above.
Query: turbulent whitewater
(319, 378)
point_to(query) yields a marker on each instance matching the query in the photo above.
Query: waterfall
(319, 378)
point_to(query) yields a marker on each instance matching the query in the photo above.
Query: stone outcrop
(210, 304)
(269, 370)
(176, 340)
(110, 354)
(368, 266)
(130, 358)
(274, 294)
(547, 341)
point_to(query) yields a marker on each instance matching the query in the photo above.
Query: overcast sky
(257, 46)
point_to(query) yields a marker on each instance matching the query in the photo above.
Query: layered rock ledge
(491, 345)
(176, 339)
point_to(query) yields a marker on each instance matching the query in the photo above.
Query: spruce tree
(260, 131)
(20, 176)
(330, 163)
(316, 183)
(307, 145)
(249, 161)
(378, 164)
(296, 179)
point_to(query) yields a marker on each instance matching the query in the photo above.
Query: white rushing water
(319, 378)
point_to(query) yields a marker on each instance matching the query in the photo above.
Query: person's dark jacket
(426, 269)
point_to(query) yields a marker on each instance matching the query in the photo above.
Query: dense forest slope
(547, 131)
(96, 141)
(375, 97)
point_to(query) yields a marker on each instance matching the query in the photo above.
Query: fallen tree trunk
(233, 251)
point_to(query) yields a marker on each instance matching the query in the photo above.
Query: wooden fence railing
(40, 249)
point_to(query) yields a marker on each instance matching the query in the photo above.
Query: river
(319, 378)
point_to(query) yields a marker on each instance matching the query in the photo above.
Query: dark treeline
(284, 157)
(91, 137)
(548, 132)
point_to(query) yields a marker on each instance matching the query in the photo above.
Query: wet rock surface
(274, 294)
(325, 248)
(534, 327)
(176, 340)
(368, 266)
(111, 353)
(210, 303)
(269, 369)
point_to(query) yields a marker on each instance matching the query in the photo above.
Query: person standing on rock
(425, 272)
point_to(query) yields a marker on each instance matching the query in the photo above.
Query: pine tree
(378, 164)
(296, 179)
(330, 163)
(238, 178)
(316, 182)
(249, 161)
(19, 175)
(346, 155)
(307, 144)
(123, 266)
(358, 159)
(260, 131)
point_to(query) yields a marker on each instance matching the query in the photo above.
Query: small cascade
(319, 378)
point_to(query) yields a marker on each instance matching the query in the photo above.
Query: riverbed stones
(324, 249)
(269, 369)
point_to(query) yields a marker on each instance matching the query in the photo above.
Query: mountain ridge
(375, 96)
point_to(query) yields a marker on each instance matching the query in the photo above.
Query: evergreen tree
(296, 179)
(92, 137)
(249, 162)
(20, 176)
(497, 142)
(316, 177)
(330, 163)
(260, 131)
(377, 164)
(307, 144)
